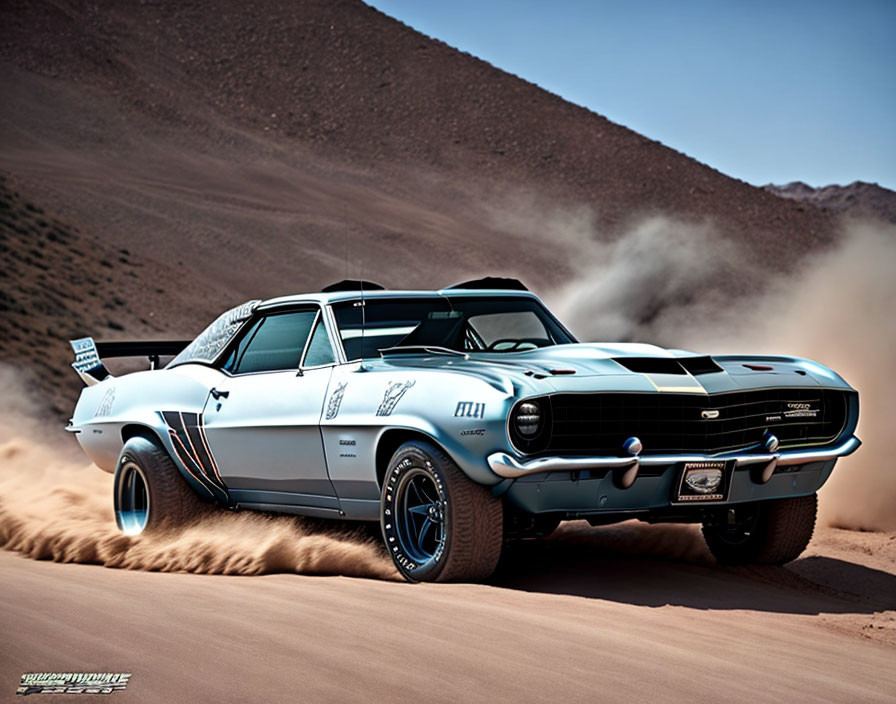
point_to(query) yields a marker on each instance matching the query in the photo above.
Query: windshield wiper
(422, 349)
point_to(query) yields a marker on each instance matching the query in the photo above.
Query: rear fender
(167, 404)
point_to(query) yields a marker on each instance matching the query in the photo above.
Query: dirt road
(574, 619)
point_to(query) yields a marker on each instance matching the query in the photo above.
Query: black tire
(765, 533)
(465, 533)
(149, 493)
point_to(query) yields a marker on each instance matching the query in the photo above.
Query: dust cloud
(656, 284)
(54, 506)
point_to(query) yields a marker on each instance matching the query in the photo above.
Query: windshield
(463, 323)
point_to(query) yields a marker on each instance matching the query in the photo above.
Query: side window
(319, 350)
(275, 342)
(236, 353)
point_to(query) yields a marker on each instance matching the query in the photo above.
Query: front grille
(599, 423)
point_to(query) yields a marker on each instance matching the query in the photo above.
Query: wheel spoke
(420, 529)
(416, 489)
(424, 529)
(429, 498)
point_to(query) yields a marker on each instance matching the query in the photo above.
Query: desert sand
(562, 622)
(243, 606)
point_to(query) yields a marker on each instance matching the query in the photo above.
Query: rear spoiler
(89, 355)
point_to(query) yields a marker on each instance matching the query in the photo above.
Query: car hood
(605, 366)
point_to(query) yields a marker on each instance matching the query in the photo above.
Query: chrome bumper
(509, 467)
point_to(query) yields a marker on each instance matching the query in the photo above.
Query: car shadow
(658, 565)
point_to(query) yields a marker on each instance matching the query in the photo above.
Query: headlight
(530, 424)
(528, 419)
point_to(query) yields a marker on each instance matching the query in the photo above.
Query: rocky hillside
(199, 153)
(858, 199)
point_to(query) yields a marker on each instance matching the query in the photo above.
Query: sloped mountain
(198, 153)
(858, 199)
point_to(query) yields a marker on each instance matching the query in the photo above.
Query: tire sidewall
(781, 532)
(405, 461)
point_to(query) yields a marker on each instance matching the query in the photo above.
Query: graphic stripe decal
(186, 461)
(195, 438)
(192, 450)
(208, 451)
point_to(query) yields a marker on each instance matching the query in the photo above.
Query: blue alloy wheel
(420, 519)
(133, 500)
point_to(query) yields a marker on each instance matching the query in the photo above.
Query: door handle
(219, 394)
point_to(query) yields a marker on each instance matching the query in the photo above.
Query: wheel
(767, 532)
(438, 525)
(149, 493)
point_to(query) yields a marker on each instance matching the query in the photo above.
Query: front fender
(463, 414)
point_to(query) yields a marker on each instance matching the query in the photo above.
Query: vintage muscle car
(460, 419)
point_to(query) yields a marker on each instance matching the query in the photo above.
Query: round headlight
(528, 419)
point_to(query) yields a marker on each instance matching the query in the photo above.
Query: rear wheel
(438, 525)
(766, 532)
(149, 493)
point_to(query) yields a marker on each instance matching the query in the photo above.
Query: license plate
(703, 481)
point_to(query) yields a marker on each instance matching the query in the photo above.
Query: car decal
(191, 446)
(469, 409)
(105, 407)
(336, 401)
(211, 341)
(393, 395)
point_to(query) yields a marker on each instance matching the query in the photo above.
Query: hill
(239, 150)
(858, 199)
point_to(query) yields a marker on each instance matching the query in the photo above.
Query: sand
(563, 621)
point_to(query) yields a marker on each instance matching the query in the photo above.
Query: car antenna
(363, 312)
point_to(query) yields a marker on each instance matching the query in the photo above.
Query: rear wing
(89, 355)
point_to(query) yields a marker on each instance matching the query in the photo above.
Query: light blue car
(461, 419)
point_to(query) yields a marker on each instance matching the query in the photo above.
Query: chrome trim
(507, 466)
(333, 332)
(308, 341)
(829, 453)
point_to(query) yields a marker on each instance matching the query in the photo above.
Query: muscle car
(460, 419)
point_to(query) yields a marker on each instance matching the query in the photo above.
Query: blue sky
(763, 91)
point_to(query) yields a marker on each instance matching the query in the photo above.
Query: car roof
(337, 296)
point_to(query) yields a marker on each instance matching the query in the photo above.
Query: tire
(437, 524)
(149, 493)
(765, 533)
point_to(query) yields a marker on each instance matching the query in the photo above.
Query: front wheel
(766, 532)
(438, 525)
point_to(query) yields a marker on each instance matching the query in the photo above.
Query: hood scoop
(552, 372)
(669, 365)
